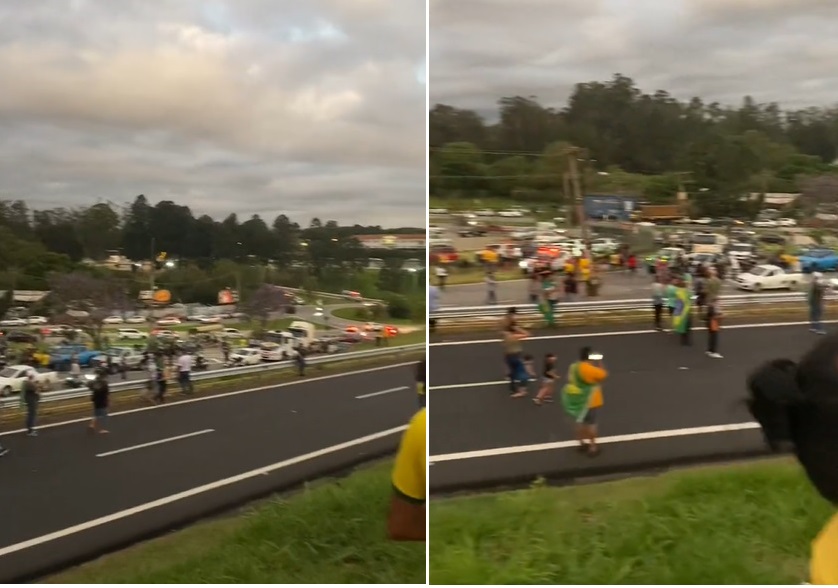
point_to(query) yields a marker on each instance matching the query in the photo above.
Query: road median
(582, 318)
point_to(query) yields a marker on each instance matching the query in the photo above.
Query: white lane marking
(152, 443)
(471, 385)
(217, 396)
(194, 492)
(648, 436)
(626, 333)
(371, 394)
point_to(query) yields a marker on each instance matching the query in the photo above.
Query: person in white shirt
(184, 372)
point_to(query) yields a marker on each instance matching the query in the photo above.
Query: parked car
(135, 320)
(169, 321)
(19, 337)
(13, 376)
(37, 320)
(61, 355)
(13, 322)
(246, 356)
(134, 334)
(133, 359)
(818, 260)
(768, 277)
(113, 320)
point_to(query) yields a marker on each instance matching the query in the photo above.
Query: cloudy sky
(775, 50)
(308, 108)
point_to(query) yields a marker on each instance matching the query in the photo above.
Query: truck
(13, 376)
(659, 212)
(304, 333)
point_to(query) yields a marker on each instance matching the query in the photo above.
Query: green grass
(333, 532)
(357, 314)
(740, 524)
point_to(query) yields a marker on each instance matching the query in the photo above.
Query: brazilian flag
(576, 394)
(682, 310)
(545, 307)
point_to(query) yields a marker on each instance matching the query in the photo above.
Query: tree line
(36, 246)
(633, 142)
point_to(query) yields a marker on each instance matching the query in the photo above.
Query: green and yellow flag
(682, 310)
(576, 394)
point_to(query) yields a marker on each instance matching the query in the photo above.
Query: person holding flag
(682, 311)
(669, 293)
(547, 303)
(582, 398)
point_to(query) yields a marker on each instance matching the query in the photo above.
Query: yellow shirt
(409, 471)
(593, 375)
(823, 569)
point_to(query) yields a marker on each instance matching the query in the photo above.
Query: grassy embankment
(331, 532)
(747, 523)
(361, 314)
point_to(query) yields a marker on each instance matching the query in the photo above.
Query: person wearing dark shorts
(100, 399)
(548, 380)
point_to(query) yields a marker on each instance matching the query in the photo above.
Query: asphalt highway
(664, 404)
(69, 495)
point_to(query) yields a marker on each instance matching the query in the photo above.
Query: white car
(14, 322)
(604, 245)
(168, 322)
(768, 277)
(131, 334)
(485, 212)
(645, 224)
(764, 224)
(209, 320)
(231, 333)
(706, 220)
(247, 356)
(438, 211)
(37, 320)
(511, 213)
(787, 222)
(113, 320)
(13, 376)
(135, 320)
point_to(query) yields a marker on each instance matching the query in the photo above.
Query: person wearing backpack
(30, 399)
(582, 398)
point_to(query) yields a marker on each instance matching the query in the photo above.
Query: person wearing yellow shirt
(582, 398)
(796, 405)
(406, 521)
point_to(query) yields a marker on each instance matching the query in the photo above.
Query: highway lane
(192, 458)
(654, 385)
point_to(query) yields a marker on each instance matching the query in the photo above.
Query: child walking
(548, 381)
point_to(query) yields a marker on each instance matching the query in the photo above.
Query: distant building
(418, 241)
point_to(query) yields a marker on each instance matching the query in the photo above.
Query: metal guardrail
(73, 393)
(640, 304)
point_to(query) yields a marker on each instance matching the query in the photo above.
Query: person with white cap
(815, 296)
(31, 398)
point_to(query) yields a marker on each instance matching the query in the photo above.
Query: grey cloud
(722, 50)
(213, 103)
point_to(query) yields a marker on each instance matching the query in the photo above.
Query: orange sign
(161, 296)
(228, 296)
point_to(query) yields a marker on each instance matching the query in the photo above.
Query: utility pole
(573, 167)
(152, 267)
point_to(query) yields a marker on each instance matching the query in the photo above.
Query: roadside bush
(398, 307)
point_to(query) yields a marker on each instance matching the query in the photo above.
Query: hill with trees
(635, 143)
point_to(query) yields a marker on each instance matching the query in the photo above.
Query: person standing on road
(441, 276)
(407, 518)
(670, 292)
(582, 398)
(162, 378)
(713, 287)
(31, 398)
(433, 306)
(816, 294)
(101, 399)
(713, 317)
(534, 288)
(491, 289)
(682, 313)
(184, 372)
(548, 380)
(658, 299)
(571, 288)
(514, 349)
